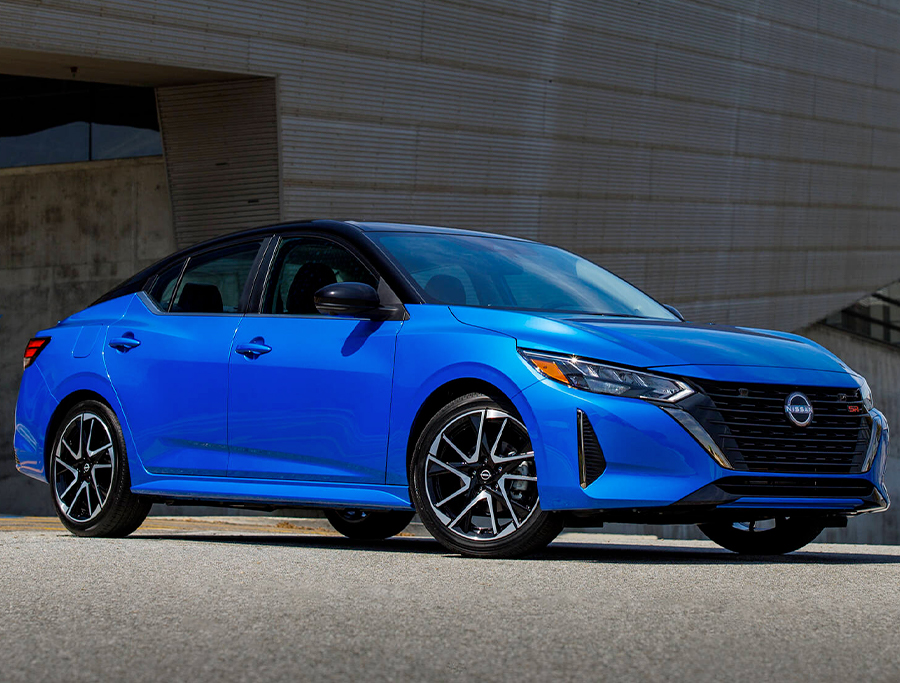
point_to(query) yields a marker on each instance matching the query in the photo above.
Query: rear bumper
(33, 410)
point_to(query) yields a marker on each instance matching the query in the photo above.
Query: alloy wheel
(83, 467)
(480, 476)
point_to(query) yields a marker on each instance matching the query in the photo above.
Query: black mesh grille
(749, 424)
(590, 455)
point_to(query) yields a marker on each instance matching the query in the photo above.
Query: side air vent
(591, 462)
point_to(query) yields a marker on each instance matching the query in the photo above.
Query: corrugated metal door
(221, 147)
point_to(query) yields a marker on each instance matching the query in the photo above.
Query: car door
(310, 394)
(168, 360)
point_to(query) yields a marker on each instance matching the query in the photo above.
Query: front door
(310, 394)
(168, 360)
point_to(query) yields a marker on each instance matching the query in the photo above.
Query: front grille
(749, 424)
(772, 487)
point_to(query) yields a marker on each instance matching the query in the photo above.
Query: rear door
(310, 394)
(168, 360)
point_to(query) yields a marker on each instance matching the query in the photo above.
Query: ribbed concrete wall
(221, 147)
(738, 159)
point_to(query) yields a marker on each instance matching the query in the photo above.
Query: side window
(302, 267)
(213, 282)
(164, 287)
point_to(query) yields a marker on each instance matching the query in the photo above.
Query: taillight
(35, 346)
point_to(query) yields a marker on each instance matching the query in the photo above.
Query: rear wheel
(89, 475)
(776, 536)
(365, 525)
(473, 481)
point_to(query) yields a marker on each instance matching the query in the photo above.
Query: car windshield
(471, 270)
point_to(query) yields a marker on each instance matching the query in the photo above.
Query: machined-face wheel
(481, 481)
(474, 480)
(83, 469)
(89, 476)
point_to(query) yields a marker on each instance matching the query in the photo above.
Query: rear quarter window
(163, 287)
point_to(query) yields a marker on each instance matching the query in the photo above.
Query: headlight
(606, 379)
(866, 395)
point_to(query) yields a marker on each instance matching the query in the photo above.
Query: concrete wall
(68, 233)
(738, 159)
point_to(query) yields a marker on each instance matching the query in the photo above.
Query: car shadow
(655, 553)
(561, 550)
(394, 545)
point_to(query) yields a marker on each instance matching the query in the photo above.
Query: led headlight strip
(600, 378)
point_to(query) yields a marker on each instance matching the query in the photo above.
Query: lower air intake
(798, 487)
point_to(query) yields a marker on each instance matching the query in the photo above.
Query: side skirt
(268, 493)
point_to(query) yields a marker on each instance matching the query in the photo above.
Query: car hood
(644, 343)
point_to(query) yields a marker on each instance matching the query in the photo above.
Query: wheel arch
(441, 396)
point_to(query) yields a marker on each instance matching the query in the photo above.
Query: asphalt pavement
(260, 599)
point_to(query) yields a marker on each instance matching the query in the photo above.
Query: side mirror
(674, 311)
(347, 298)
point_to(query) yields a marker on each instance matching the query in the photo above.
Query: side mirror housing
(347, 298)
(674, 311)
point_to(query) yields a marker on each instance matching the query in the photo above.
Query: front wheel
(776, 536)
(473, 481)
(89, 474)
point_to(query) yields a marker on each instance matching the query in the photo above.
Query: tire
(777, 537)
(89, 478)
(481, 502)
(364, 525)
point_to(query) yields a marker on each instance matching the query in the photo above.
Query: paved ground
(250, 599)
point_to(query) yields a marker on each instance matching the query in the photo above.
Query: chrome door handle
(124, 343)
(253, 349)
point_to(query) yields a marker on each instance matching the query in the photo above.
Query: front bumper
(654, 468)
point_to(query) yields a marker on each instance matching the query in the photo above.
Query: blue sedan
(500, 388)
